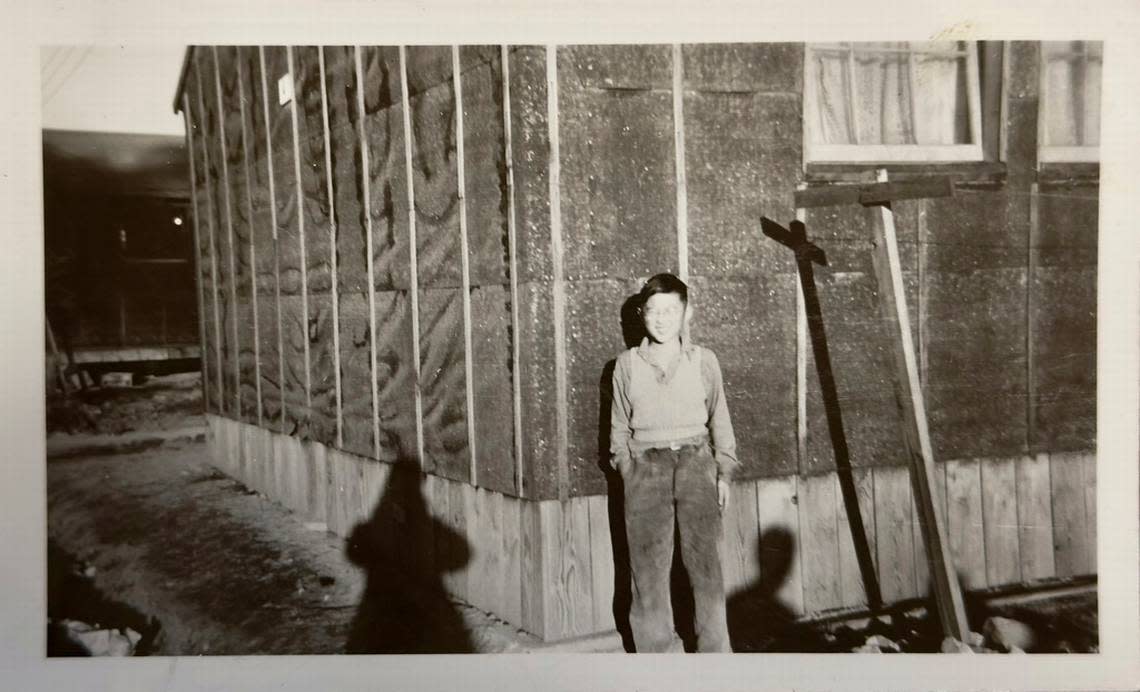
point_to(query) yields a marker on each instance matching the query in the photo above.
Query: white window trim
(1056, 153)
(897, 153)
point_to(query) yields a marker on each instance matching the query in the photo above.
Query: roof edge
(177, 105)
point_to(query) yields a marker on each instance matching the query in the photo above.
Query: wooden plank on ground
(820, 543)
(601, 562)
(510, 607)
(916, 434)
(964, 522)
(780, 564)
(1070, 530)
(999, 515)
(921, 559)
(739, 545)
(894, 536)
(1090, 509)
(1035, 518)
(852, 589)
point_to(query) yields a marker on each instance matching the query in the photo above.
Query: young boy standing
(672, 442)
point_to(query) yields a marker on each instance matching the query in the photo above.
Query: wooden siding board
(999, 514)
(601, 563)
(820, 543)
(851, 578)
(964, 527)
(894, 540)
(740, 539)
(780, 548)
(1035, 518)
(1070, 531)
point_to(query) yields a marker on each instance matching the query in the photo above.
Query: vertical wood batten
(229, 233)
(300, 232)
(464, 263)
(333, 248)
(801, 363)
(512, 250)
(252, 242)
(204, 362)
(213, 250)
(273, 220)
(413, 268)
(358, 67)
(1031, 323)
(679, 150)
(558, 288)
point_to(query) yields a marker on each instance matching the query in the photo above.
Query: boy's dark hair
(663, 283)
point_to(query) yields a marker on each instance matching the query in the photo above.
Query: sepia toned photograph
(593, 348)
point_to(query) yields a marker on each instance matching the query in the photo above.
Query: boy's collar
(686, 347)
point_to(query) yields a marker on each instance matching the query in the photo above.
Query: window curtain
(886, 93)
(1072, 92)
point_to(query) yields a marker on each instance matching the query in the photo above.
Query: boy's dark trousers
(662, 485)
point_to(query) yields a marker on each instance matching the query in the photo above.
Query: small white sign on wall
(284, 90)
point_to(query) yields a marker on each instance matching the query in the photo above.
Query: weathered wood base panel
(557, 569)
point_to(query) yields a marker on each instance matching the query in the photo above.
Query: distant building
(119, 251)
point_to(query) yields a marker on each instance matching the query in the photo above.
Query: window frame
(1069, 153)
(871, 154)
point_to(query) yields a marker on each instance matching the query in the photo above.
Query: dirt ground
(160, 403)
(198, 564)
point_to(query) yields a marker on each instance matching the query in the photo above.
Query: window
(892, 102)
(1069, 125)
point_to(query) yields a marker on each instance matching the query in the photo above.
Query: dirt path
(222, 570)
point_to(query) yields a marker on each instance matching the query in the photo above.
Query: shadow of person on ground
(633, 330)
(404, 551)
(758, 620)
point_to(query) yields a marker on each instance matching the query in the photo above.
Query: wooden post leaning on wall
(892, 301)
(370, 264)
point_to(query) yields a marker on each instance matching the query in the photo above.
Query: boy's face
(664, 315)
